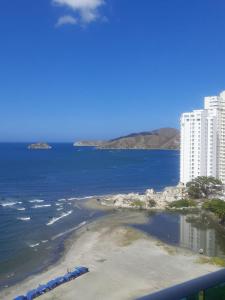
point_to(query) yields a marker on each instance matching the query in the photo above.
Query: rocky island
(37, 146)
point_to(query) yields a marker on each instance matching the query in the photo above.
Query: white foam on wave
(72, 199)
(69, 230)
(21, 208)
(34, 245)
(36, 201)
(55, 219)
(61, 200)
(60, 208)
(59, 204)
(9, 204)
(40, 206)
(23, 218)
(44, 241)
(81, 198)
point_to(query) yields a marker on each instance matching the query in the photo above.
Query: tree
(203, 186)
(216, 206)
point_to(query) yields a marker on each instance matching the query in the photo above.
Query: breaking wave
(40, 206)
(81, 198)
(9, 204)
(36, 201)
(55, 219)
(34, 245)
(23, 218)
(61, 200)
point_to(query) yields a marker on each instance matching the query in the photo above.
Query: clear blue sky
(84, 69)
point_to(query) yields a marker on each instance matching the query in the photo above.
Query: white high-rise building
(203, 141)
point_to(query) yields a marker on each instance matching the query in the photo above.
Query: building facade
(203, 141)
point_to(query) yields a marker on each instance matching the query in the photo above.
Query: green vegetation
(212, 260)
(203, 186)
(183, 203)
(138, 203)
(216, 206)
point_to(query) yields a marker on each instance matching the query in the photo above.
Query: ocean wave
(60, 208)
(61, 200)
(9, 204)
(23, 218)
(69, 230)
(36, 201)
(55, 219)
(81, 198)
(72, 199)
(21, 208)
(40, 206)
(59, 204)
(34, 245)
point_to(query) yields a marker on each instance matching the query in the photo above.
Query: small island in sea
(41, 146)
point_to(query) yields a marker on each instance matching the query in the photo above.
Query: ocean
(40, 192)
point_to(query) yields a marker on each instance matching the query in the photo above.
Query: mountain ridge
(162, 138)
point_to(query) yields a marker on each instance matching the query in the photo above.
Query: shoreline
(105, 241)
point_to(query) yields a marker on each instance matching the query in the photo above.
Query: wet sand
(124, 263)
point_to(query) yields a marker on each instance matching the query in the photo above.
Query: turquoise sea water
(38, 187)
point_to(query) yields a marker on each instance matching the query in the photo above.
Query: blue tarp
(82, 269)
(31, 294)
(42, 289)
(52, 284)
(59, 280)
(76, 273)
(68, 276)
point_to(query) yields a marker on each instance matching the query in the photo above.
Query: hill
(163, 138)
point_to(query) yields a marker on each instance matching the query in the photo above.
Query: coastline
(111, 250)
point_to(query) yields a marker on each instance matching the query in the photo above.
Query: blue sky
(94, 69)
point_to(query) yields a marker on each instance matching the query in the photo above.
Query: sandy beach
(124, 263)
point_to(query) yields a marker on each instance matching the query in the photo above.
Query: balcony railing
(207, 287)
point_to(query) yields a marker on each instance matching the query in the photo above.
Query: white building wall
(203, 141)
(193, 145)
(221, 138)
(185, 150)
(211, 105)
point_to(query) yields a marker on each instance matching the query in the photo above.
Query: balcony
(207, 287)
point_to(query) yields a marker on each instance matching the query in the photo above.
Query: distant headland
(38, 146)
(163, 138)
